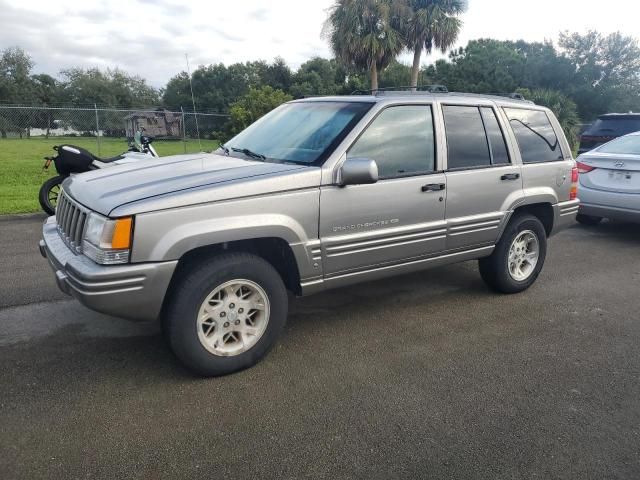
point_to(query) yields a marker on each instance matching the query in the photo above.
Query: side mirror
(358, 171)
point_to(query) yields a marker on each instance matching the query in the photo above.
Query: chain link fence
(102, 126)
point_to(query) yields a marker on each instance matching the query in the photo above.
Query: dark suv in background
(606, 128)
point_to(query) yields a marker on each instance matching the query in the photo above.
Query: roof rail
(404, 89)
(513, 96)
(431, 89)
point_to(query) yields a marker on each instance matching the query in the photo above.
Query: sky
(151, 37)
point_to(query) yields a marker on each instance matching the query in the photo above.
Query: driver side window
(400, 140)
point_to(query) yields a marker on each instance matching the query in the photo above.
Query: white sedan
(609, 181)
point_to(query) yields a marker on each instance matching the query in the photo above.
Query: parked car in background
(320, 193)
(606, 128)
(609, 181)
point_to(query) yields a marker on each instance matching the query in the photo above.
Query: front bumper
(132, 291)
(564, 215)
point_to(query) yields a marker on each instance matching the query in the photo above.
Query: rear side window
(466, 140)
(497, 145)
(474, 137)
(400, 140)
(536, 138)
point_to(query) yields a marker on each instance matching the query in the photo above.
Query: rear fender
(532, 197)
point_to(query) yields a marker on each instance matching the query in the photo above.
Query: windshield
(304, 132)
(629, 145)
(137, 140)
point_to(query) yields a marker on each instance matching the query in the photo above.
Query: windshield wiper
(249, 153)
(224, 148)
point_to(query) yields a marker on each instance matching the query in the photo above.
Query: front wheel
(518, 257)
(224, 314)
(49, 192)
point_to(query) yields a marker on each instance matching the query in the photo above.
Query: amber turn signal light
(122, 233)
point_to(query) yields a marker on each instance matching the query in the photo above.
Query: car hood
(180, 180)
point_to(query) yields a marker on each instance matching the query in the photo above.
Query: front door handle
(433, 187)
(510, 176)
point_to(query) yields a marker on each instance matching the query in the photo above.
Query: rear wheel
(588, 219)
(518, 257)
(225, 314)
(49, 192)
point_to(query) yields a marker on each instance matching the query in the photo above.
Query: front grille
(71, 218)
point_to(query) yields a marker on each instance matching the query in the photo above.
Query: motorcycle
(71, 159)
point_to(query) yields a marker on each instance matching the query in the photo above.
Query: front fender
(185, 237)
(169, 234)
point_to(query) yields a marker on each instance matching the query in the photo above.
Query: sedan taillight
(584, 168)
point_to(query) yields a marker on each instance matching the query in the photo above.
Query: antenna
(193, 100)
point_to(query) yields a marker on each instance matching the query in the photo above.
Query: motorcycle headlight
(108, 241)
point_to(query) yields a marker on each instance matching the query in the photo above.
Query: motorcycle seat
(108, 160)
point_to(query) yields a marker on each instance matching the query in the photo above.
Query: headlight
(95, 229)
(108, 241)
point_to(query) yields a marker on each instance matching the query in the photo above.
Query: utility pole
(193, 101)
(184, 130)
(95, 107)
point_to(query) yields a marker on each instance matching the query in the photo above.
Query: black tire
(48, 196)
(495, 268)
(190, 290)
(588, 219)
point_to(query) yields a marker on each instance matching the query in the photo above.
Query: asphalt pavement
(428, 375)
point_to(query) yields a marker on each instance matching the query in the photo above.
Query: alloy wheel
(233, 317)
(524, 254)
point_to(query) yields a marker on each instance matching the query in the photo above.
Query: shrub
(253, 105)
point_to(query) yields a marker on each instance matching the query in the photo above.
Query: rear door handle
(510, 176)
(433, 187)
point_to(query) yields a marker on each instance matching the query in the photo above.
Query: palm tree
(366, 34)
(431, 23)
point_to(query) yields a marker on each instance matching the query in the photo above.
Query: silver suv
(318, 194)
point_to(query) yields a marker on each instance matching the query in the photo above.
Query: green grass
(21, 163)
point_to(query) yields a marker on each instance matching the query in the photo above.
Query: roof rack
(512, 96)
(431, 89)
(404, 89)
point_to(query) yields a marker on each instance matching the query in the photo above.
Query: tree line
(74, 86)
(579, 77)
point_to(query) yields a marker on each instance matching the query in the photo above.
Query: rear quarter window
(536, 138)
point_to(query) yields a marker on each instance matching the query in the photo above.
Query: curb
(23, 216)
